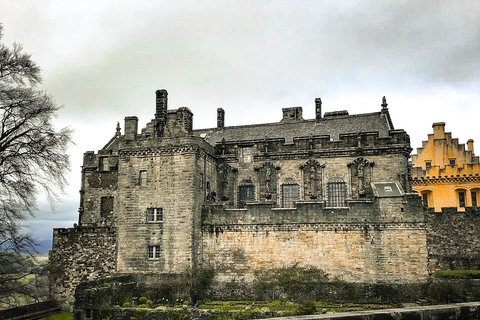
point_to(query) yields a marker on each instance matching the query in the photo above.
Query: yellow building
(444, 173)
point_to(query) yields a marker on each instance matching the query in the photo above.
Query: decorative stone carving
(359, 166)
(312, 177)
(224, 170)
(268, 179)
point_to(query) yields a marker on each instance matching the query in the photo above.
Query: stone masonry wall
(356, 244)
(171, 179)
(453, 239)
(80, 254)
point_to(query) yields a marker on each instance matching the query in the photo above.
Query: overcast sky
(103, 60)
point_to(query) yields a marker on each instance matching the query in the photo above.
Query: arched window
(290, 193)
(337, 194)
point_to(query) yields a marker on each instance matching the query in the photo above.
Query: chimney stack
(318, 109)
(220, 118)
(470, 145)
(438, 130)
(161, 104)
(131, 128)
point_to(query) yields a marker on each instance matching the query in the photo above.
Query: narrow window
(201, 180)
(428, 164)
(143, 178)
(425, 199)
(246, 193)
(103, 165)
(154, 214)
(452, 162)
(289, 195)
(337, 193)
(461, 199)
(474, 198)
(153, 252)
(106, 207)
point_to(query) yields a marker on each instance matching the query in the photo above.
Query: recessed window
(153, 252)
(154, 215)
(289, 195)
(425, 199)
(245, 193)
(461, 199)
(452, 162)
(103, 165)
(106, 207)
(474, 198)
(428, 164)
(201, 180)
(337, 193)
(143, 178)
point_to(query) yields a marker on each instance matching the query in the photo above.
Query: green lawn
(60, 316)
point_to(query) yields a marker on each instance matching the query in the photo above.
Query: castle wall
(171, 187)
(355, 244)
(80, 254)
(453, 241)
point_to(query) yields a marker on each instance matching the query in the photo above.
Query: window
(289, 195)
(428, 164)
(452, 162)
(474, 198)
(387, 189)
(337, 193)
(246, 193)
(201, 180)
(153, 252)
(154, 214)
(461, 199)
(425, 199)
(103, 165)
(143, 177)
(247, 155)
(106, 207)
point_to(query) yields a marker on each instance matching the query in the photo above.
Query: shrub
(126, 305)
(143, 306)
(149, 303)
(443, 293)
(142, 300)
(306, 307)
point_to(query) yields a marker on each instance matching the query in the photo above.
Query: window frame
(289, 202)
(461, 199)
(473, 195)
(142, 181)
(154, 215)
(336, 198)
(153, 252)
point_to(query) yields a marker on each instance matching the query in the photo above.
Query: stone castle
(332, 192)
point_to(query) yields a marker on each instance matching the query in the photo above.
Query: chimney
(439, 130)
(292, 114)
(220, 118)
(470, 145)
(131, 128)
(161, 104)
(318, 109)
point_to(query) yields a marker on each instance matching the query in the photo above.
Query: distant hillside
(43, 246)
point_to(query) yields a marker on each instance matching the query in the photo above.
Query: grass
(457, 274)
(60, 316)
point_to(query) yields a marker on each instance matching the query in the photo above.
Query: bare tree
(32, 158)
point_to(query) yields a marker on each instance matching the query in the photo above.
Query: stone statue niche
(226, 178)
(361, 174)
(312, 179)
(267, 177)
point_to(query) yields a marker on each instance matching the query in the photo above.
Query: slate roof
(330, 125)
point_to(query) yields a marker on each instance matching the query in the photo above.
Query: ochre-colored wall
(434, 174)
